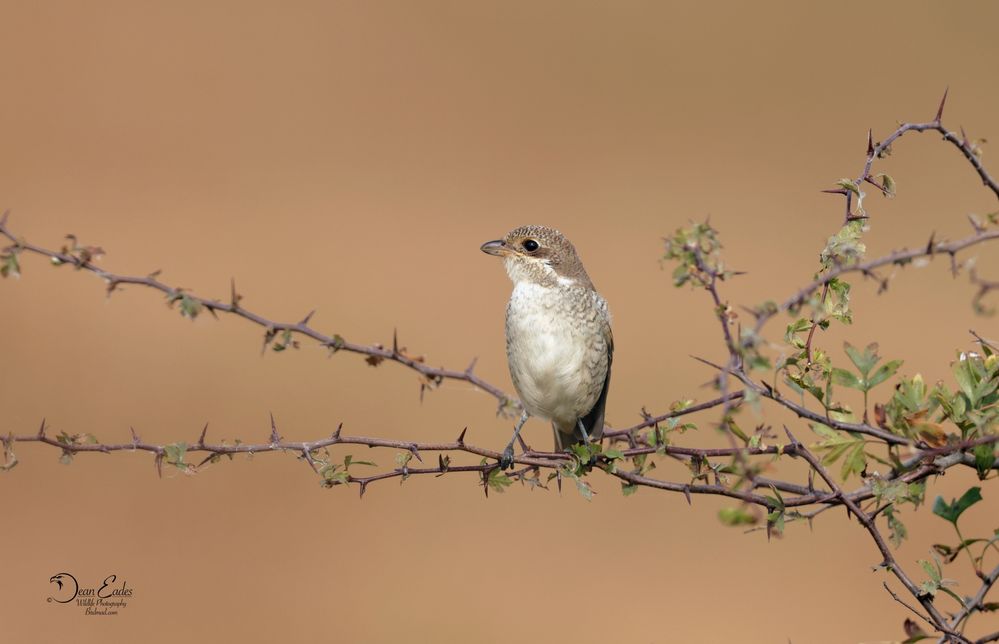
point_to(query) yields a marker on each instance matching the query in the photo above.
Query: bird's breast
(557, 349)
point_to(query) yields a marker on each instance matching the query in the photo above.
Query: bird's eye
(530, 245)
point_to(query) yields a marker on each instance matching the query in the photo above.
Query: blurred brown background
(351, 157)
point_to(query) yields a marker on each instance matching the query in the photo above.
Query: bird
(559, 344)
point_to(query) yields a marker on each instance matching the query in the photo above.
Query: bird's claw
(506, 460)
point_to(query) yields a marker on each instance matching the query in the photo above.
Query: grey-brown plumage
(558, 337)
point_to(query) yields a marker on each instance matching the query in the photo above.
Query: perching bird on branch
(558, 337)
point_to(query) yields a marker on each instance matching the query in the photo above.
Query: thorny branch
(83, 259)
(735, 472)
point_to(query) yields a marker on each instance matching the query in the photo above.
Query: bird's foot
(506, 460)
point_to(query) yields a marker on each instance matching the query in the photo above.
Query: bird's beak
(495, 247)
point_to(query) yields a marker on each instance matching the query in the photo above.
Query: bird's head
(540, 255)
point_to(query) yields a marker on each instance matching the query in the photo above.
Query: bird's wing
(593, 422)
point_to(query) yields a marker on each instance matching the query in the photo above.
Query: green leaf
(775, 521)
(897, 532)
(855, 461)
(348, 460)
(627, 489)
(845, 378)
(844, 248)
(174, 455)
(932, 570)
(498, 481)
(953, 510)
(189, 306)
(863, 360)
(885, 371)
(837, 444)
(985, 458)
(848, 184)
(736, 517)
(837, 304)
(887, 185)
(336, 343)
(9, 266)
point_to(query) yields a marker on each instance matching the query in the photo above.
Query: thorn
(974, 224)
(159, 464)
(877, 185)
(485, 482)
(335, 435)
(461, 437)
(836, 191)
(308, 317)
(710, 364)
(870, 143)
(274, 432)
(964, 138)
(523, 446)
(471, 366)
(930, 244)
(982, 341)
(416, 452)
(363, 485)
(686, 493)
(558, 480)
(941, 108)
(201, 439)
(395, 343)
(205, 460)
(234, 297)
(41, 428)
(794, 441)
(3, 218)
